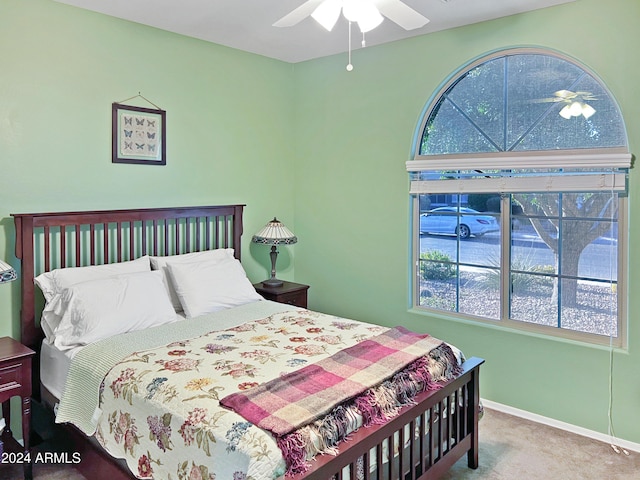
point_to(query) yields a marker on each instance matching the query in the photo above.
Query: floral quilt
(161, 407)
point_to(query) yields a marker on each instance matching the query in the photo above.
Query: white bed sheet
(54, 365)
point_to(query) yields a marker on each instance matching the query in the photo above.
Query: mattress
(54, 366)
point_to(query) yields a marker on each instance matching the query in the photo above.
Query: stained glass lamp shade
(7, 273)
(274, 233)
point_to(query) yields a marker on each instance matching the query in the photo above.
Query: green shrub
(436, 265)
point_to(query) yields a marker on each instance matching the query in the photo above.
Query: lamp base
(272, 283)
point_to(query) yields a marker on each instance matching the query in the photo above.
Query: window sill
(525, 329)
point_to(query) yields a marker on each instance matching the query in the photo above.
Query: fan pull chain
(349, 66)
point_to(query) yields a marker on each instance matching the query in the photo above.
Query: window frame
(505, 259)
(612, 157)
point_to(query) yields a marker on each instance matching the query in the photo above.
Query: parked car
(444, 220)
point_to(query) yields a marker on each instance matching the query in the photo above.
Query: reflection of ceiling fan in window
(368, 14)
(575, 103)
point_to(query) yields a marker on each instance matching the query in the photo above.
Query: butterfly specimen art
(139, 135)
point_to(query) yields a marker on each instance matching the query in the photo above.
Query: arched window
(519, 187)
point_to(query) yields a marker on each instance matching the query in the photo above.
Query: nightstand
(15, 380)
(288, 292)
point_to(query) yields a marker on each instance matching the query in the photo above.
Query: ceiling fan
(575, 103)
(367, 13)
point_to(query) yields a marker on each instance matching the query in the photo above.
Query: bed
(422, 439)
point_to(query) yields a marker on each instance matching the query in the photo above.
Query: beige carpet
(515, 449)
(510, 449)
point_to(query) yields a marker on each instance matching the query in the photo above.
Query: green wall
(355, 133)
(321, 148)
(229, 125)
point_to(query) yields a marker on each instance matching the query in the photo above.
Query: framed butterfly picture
(139, 135)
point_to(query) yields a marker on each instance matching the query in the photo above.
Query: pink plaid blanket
(297, 399)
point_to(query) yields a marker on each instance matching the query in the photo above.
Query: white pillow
(160, 263)
(54, 282)
(98, 309)
(210, 286)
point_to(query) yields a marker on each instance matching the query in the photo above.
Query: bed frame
(45, 241)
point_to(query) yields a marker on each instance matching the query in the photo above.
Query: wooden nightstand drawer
(299, 299)
(11, 377)
(289, 292)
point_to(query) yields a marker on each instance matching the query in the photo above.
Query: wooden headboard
(45, 241)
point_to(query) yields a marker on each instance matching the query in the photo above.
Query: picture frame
(139, 135)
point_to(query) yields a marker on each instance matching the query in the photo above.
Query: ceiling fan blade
(298, 14)
(587, 95)
(548, 99)
(565, 94)
(402, 14)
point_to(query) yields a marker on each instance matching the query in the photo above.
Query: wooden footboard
(427, 438)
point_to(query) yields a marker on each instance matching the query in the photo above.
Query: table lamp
(274, 233)
(7, 273)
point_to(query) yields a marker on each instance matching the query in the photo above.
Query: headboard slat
(155, 238)
(119, 254)
(105, 244)
(92, 243)
(217, 234)
(43, 240)
(132, 239)
(63, 246)
(166, 235)
(197, 226)
(78, 252)
(187, 229)
(207, 233)
(144, 241)
(176, 227)
(47, 248)
(226, 235)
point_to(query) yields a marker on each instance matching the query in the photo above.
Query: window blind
(585, 172)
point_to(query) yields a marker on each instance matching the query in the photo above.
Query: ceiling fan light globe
(327, 13)
(371, 20)
(352, 9)
(576, 109)
(587, 110)
(566, 112)
(363, 12)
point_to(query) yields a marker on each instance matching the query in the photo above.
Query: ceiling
(247, 24)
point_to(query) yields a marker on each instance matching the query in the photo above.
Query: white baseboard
(534, 417)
